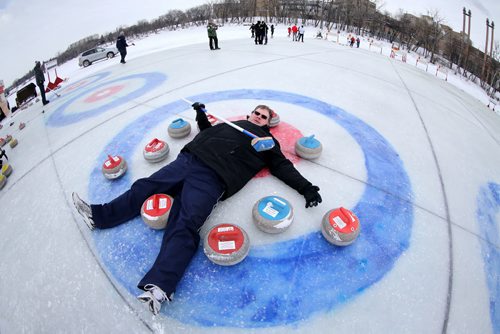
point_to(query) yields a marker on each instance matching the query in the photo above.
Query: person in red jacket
(215, 165)
(294, 32)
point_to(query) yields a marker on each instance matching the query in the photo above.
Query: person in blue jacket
(215, 165)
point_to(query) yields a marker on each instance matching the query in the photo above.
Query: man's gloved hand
(312, 196)
(198, 106)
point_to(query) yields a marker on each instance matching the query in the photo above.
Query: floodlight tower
(466, 37)
(484, 73)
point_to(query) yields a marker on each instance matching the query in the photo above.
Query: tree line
(426, 34)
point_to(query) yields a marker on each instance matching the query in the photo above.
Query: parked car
(88, 57)
(25, 94)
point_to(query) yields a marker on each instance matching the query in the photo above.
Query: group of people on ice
(297, 33)
(351, 40)
(260, 30)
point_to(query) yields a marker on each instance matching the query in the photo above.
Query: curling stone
(8, 138)
(22, 125)
(156, 150)
(13, 143)
(179, 128)
(275, 120)
(226, 244)
(3, 142)
(6, 170)
(114, 167)
(340, 227)
(308, 147)
(272, 214)
(3, 181)
(213, 120)
(156, 209)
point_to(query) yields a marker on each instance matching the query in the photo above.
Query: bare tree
(435, 32)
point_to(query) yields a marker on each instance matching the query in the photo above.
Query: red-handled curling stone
(156, 209)
(156, 150)
(226, 244)
(114, 167)
(21, 125)
(272, 214)
(2, 142)
(340, 227)
(213, 120)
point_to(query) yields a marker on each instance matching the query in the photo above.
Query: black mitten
(198, 106)
(312, 196)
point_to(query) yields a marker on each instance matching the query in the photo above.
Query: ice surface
(415, 157)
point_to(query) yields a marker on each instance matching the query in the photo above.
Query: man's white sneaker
(154, 297)
(84, 210)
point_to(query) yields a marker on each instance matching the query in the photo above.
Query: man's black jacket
(121, 44)
(230, 154)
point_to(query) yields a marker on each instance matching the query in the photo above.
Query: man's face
(260, 117)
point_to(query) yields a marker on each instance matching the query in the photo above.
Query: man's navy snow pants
(196, 190)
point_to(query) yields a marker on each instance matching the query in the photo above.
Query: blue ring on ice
(487, 213)
(60, 118)
(280, 283)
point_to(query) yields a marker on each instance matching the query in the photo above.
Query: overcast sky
(37, 30)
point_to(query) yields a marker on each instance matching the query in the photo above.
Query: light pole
(484, 74)
(464, 64)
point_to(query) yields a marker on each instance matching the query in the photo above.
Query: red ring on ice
(103, 93)
(76, 85)
(287, 135)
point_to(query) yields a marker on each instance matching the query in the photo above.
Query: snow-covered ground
(414, 156)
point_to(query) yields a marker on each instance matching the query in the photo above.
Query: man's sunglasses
(259, 114)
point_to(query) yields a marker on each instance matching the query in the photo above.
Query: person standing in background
(40, 79)
(252, 28)
(121, 45)
(302, 30)
(213, 41)
(294, 32)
